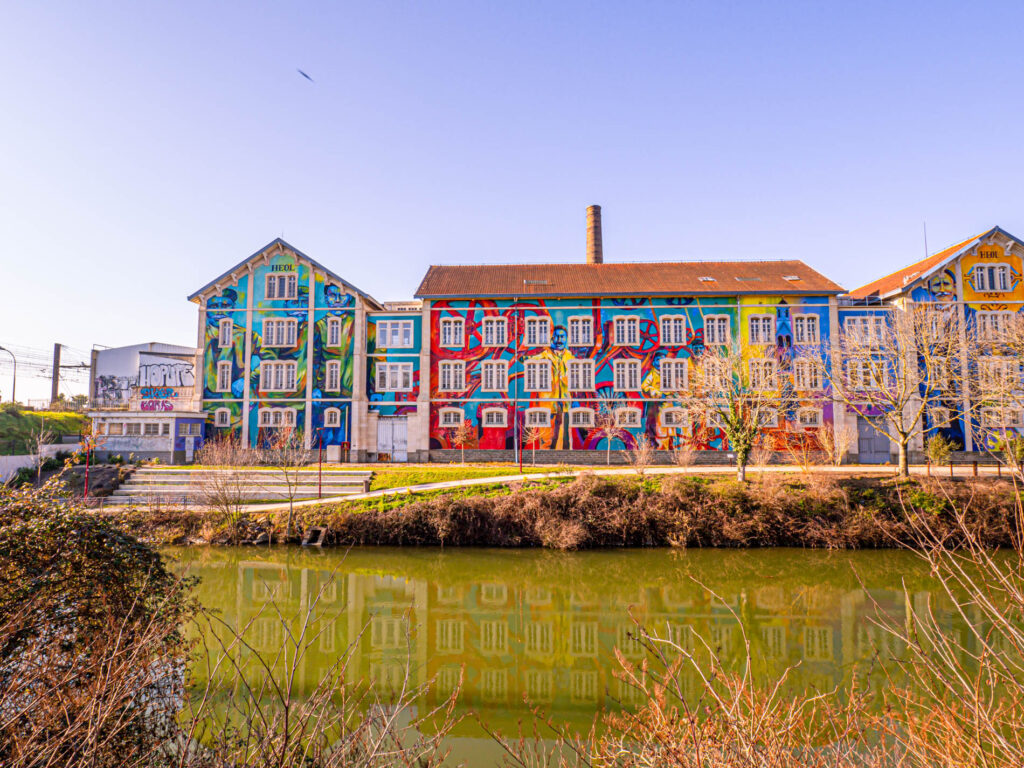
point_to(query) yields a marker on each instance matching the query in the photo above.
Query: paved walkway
(960, 470)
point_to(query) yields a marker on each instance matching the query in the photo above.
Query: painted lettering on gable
(282, 267)
(990, 252)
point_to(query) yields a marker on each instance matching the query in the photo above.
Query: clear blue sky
(146, 147)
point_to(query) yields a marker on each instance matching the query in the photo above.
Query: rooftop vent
(536, 282)
(706, 279)
(747, 279)
(791, 277)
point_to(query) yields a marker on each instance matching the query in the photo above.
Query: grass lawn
(399, 500)
(395, 477)
(17, 429)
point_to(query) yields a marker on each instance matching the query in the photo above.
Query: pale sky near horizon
(147, 147)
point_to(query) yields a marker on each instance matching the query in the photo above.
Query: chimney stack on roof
(595, 251)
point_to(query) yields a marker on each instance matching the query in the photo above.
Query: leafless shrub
(532, 436)
(610, 430)
(684, 455)
(286, 452)
(641, 455)
(462, 436)
(224, 485)
(761, 455)
(803, 450)
(835, 441)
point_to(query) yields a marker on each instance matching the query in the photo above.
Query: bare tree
(532, 436)
(997, 391)
(609, 429)
(641, 455)
(901, 370)
(463, 435)
(224, 484)
(835, 440)
(40, 439)
(286, 453)
(739, 393)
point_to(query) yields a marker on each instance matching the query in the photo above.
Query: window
(495, 332)
(334, 332)
(132, 429)
(277, 376)
(864, 329)
(165, 429)
(627, 417)
(332, 381)
(762, 374)
(539, 637)
(190, 428)
(494, 636)
(450, 417)
(282, 285)
(939, 416)
(627, 331)
(222, 417)
(716, 329)
(280, 333)
(538, 376)
(626, 376)
(494, 376)
(762, 329)
(451, 376)
(116, 428)
(999, 373)
(581, 375)
(495, 417)
(769, 417)
(277, 417)
(673, 375)
(224, 376)
(449, 636)
(937, 373)
(332, 417)
(991, 278)
(865, 374)
(394, 334)
(151, 429)
(715, 373)
(581, 331)
(806, 375)
(396, 377)
(808, 417)
(538, 332)
(224, 331)
(538, 417)
(673, 330)
(673, 417)
(452, 332)
(1001, 417)
(581, 417)
(806, 329)
(992, 326)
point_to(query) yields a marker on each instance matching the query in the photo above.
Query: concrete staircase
(193, 486)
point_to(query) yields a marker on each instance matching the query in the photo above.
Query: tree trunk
(741, 472)
(904, 465)
(609, 459)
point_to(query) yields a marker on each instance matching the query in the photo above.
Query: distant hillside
(17, 428)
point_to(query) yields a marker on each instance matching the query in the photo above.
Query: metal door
(872, 446)
(190, 448)
(392, 438)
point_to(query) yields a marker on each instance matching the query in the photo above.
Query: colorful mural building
(498, 359)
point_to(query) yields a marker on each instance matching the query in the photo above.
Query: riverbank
(626, 511)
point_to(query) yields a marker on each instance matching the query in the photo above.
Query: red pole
(88, 450)
(320, 470)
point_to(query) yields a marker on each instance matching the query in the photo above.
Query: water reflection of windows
(266, 633)
(684, 636)
(328, 592)
(583, 685)
(540, 685)
(872, 639)
(628, 641)
(449, 636)
(774, 640)
(494, 685)
(677, 596)
(539, 637)
(386, 632)
(448, 594)
(328, 636)
(387, 676)
(818, 643)
(584, 638)
(493, 637)
(493, 593)
(721, 638)
(538, 596)
(447, 679)
(628, 694)
(264, 591)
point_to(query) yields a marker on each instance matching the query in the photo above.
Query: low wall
(11, 464)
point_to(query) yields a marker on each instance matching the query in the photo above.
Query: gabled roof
(278, 241)
(902, 280)
(707, 278)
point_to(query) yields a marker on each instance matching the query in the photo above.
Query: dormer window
(991, 278)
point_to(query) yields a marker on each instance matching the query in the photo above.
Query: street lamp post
(14, 376)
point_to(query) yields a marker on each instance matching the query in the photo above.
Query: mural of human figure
(559, 355)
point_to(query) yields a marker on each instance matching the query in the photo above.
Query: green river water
(545, 623)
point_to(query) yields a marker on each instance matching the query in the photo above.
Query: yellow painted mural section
(991, 255)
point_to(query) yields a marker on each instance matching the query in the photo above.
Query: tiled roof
(618, 279)
(884, 286)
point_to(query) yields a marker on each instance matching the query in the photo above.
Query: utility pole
(55, 380)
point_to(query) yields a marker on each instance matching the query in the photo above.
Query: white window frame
(714, 333)
(674, 412)
(806, 328)
(457, 416)
(538, 417)
(769, 418)
(225, 330)
(674, 372)
(626, 330)
(497, 329)
(537, 375)
(278, 375)
(939, 416)
(489, 418)
(133, 429)
(332, 376)
(672, 330)
(276, 417)
(402, 332)
(394, 377)
(280, 332)
(716, 373)
(865, 329)
(628, 417)
(987, 273)
(453, 332)
(333, 332)
(494, 376)
(865, 378)
(761, 329)
(537, 332)
(801, 413)
(997, 417)
(937, 373)
(806, 375)
(991, 324)
(581, 331)
(626, 373)
(224, 371)
(576, 413)
(290, 282)
(455, 372)
(580, 372)
(222, 417)
(999, 371)
(151, 429)
(115, 429)
(768, 369)
(332, 417)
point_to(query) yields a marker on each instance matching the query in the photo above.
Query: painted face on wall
(943, 285)
(559, 338)
(221, 304)
(335, 298)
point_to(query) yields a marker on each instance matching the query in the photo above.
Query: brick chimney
(595, 251)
